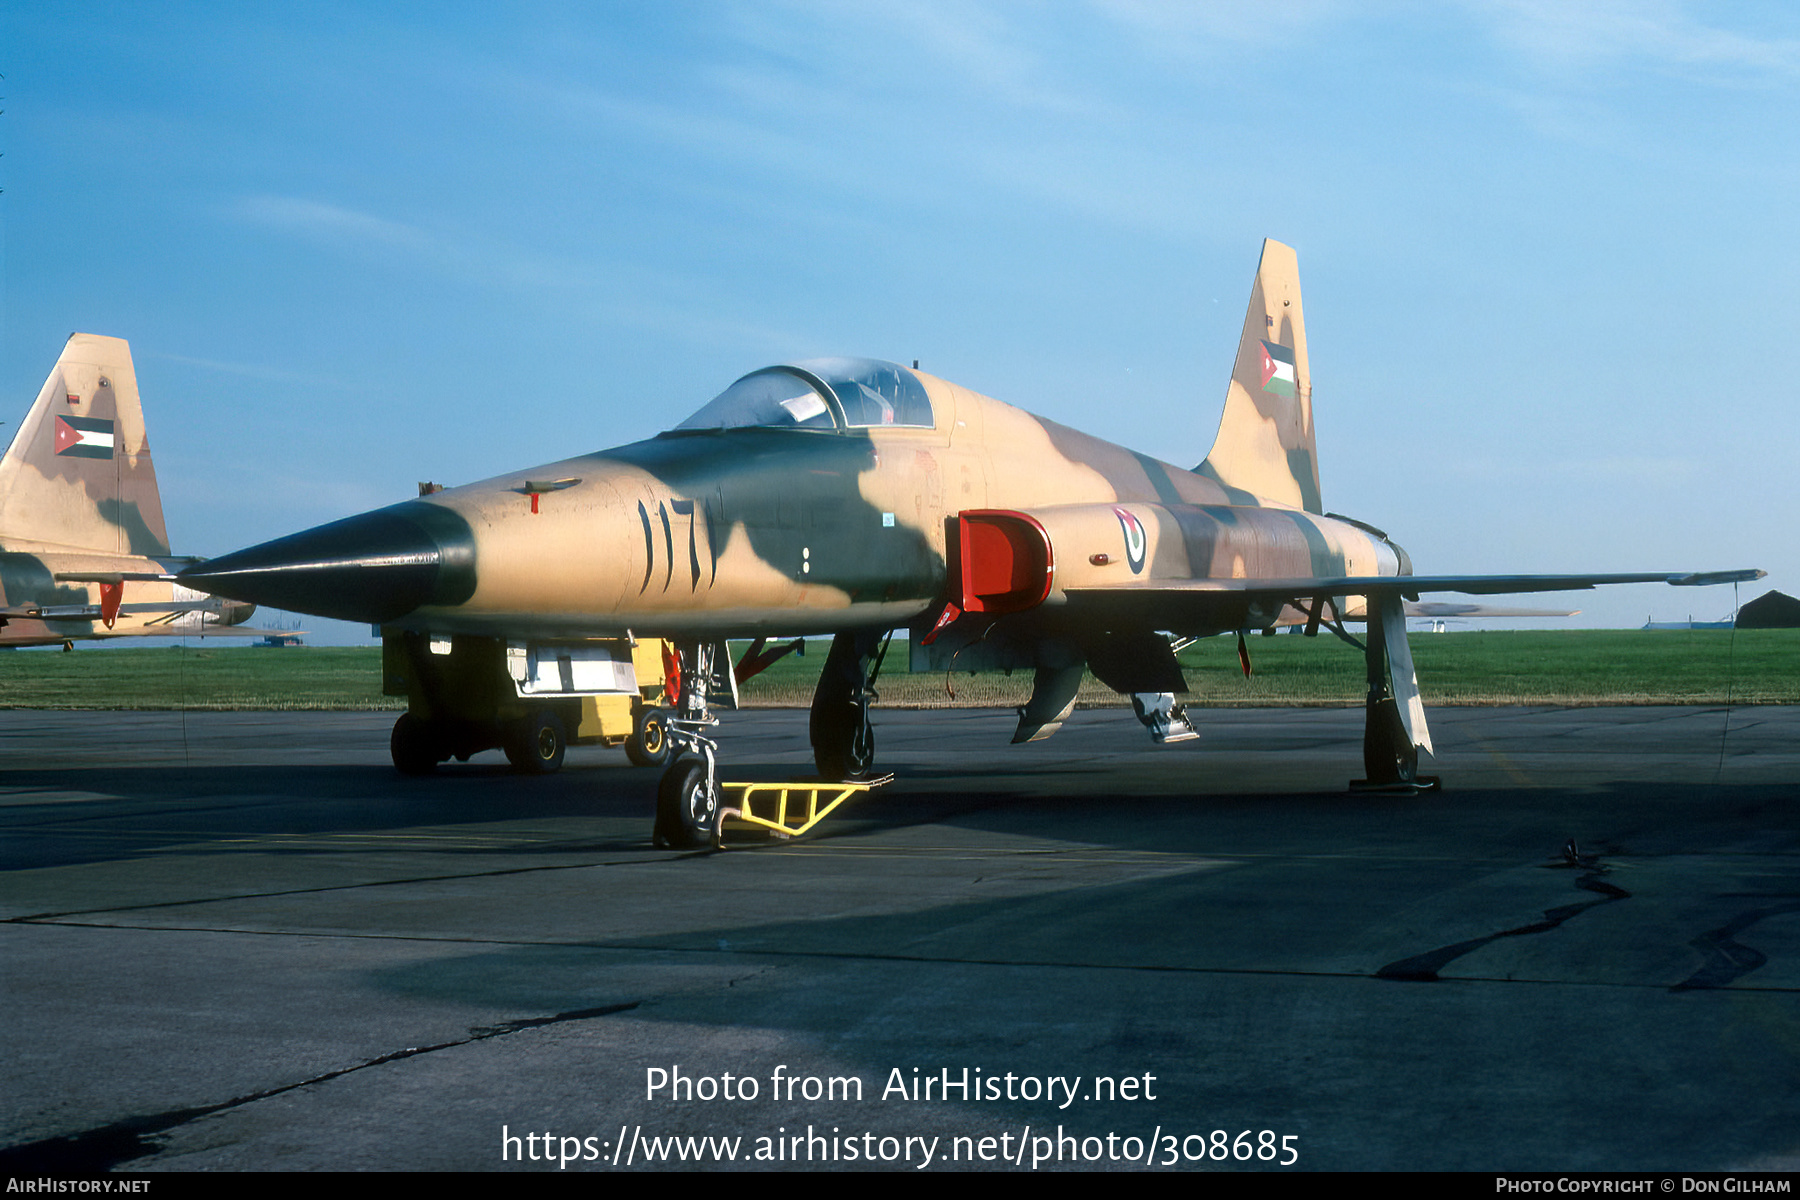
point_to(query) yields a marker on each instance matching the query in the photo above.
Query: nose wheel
(687, 798)
(687, 802)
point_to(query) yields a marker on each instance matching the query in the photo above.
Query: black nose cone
(376, 567)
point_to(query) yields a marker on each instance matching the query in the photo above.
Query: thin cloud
(333, 222)
(246, 370)
(461, 257)
(998, 50)
(1206, 29)
(1576, 37)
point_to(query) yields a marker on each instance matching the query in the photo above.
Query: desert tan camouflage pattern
(1265, 452)
(853, 497)
(833, 531)
(78, 496)
(746, 529)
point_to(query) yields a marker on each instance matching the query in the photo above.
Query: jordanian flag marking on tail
(84, 437)
(1277, 370)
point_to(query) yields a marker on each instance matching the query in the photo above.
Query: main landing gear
(1394, 728)
(843, 741)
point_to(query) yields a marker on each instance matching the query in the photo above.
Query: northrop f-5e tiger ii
(853, 497)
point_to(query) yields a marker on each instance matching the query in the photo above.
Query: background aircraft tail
(1265, 443)
(78, 473)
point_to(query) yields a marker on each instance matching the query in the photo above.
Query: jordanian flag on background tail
(84, 437)
(1277, 370)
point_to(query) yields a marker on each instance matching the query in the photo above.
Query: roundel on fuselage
(1136, 541)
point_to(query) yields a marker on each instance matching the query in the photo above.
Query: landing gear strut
(843, 741)
(1394, 719)
(687, 799)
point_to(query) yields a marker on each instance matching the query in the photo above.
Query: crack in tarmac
(1424, 968)
(746, 951)
(59, 917)
(1726, 958)
(98, 1150)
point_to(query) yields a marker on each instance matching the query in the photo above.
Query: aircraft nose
(374, 568)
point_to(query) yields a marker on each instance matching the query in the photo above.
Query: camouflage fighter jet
(852, 497)
(83, 552)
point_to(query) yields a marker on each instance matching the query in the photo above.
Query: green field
(1564, 667)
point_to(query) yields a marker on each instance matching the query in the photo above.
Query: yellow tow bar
(786, 810)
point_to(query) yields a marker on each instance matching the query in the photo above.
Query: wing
(1178, 603)
(92, 612)
(1441, 610)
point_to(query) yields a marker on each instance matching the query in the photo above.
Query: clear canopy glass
(820, 393)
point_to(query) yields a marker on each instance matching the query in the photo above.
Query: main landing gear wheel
(1390, 747)
(536, 744)
(1388, 754)
(687, 804)
(843, 741)
(414, 746)
(1390, 759)
(648, 745)
(850, 756)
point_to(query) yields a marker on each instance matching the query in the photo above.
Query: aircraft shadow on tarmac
(123, 812)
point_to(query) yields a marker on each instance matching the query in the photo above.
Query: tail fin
(78, 473)
(1265, 443)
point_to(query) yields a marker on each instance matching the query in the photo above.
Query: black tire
(1389, 757)
(648, 745)
(414, 746)
(852, 754)
(536, 744)
(686, 805)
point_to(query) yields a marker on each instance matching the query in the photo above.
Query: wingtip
(1708, 578)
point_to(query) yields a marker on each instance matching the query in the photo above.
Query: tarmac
(241, 941)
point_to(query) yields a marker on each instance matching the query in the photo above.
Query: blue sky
(1549, 250)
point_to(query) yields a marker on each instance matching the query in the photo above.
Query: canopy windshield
(820, 393)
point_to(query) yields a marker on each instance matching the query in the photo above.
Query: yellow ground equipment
(785, 810)
(532, 699)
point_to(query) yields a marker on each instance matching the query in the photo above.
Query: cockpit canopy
(820, 393)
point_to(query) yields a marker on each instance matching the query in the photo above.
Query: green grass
(240, 677)
(1595, 666)
(1522, 667)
